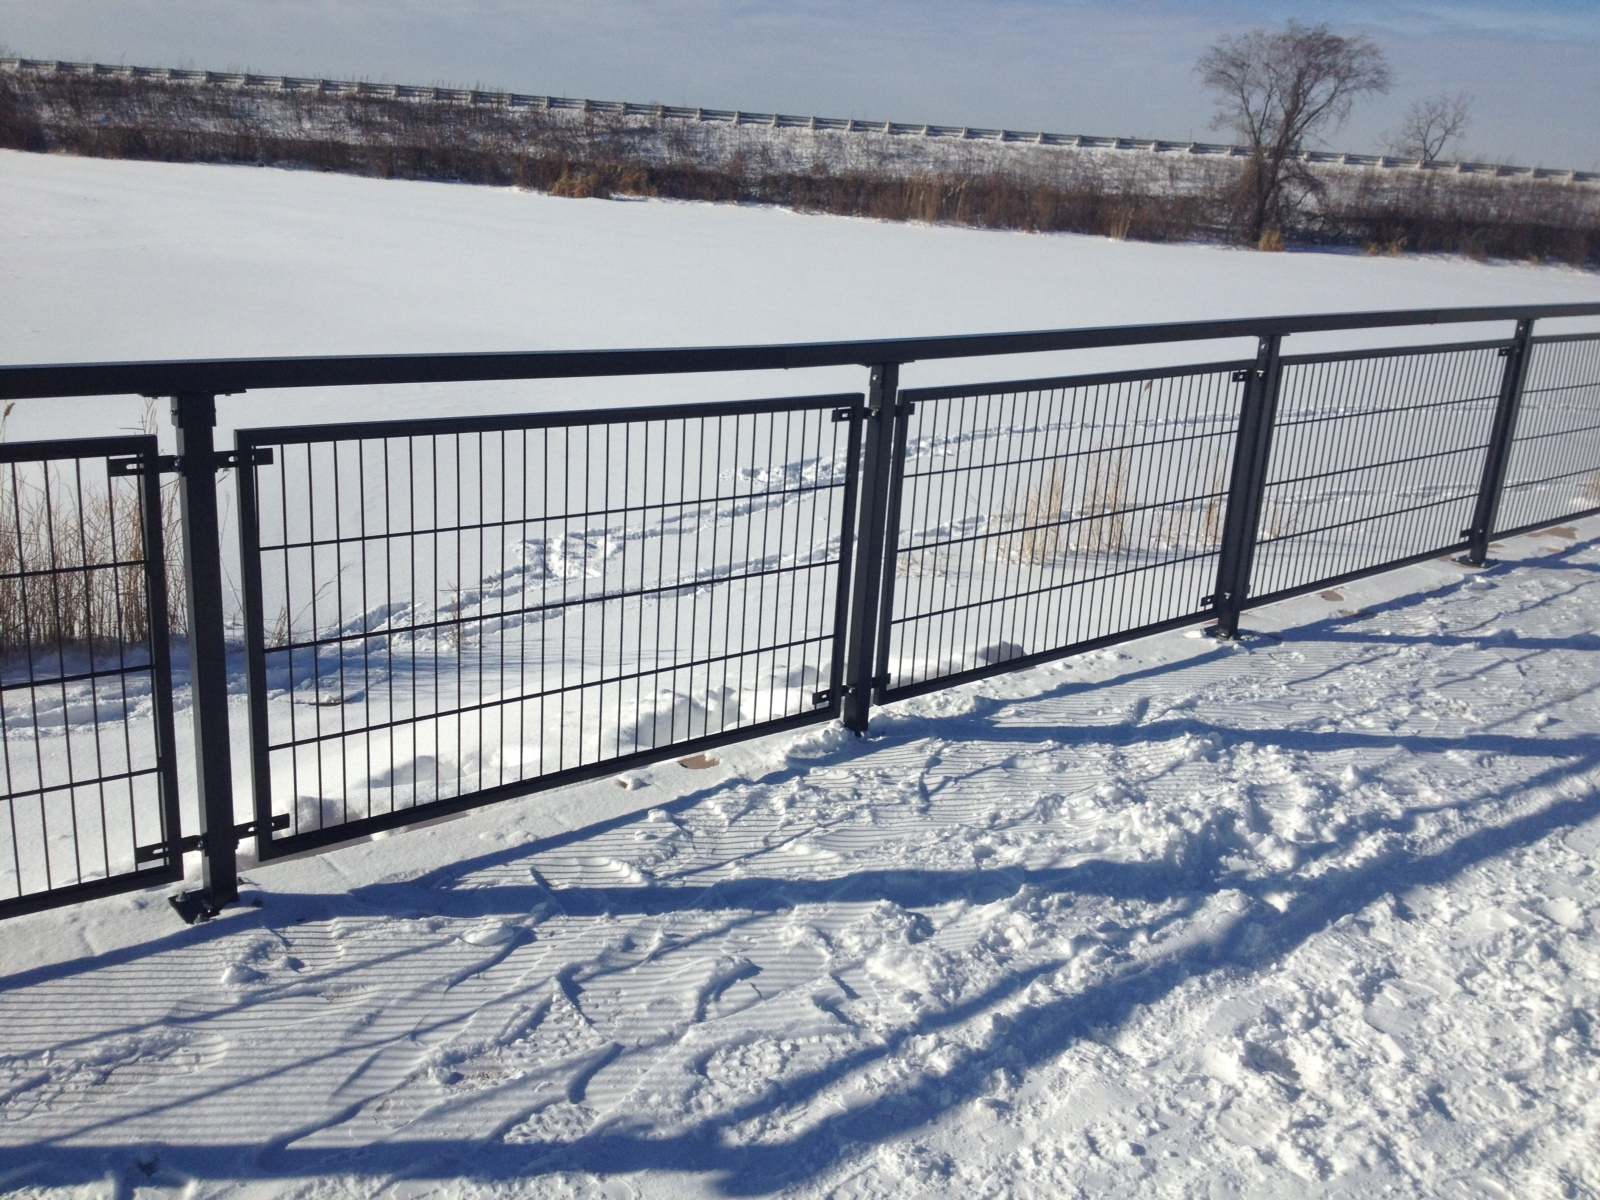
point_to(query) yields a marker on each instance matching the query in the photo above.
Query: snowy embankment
(1310, 915)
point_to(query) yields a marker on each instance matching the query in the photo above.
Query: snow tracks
(1312, 915)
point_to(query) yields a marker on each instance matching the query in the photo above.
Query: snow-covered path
(1312, 915)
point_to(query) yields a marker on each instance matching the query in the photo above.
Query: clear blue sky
(1091, 66)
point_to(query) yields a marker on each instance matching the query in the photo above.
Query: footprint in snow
(491, 933)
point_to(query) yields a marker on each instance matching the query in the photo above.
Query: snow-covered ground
(1312, 912)
(103, 261)
(1313, 915)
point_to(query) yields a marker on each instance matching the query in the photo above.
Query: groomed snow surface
(1310, 914)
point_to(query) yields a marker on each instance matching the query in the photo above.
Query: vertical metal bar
(891, 551)
(845, 560)
(1243, 515)
(255, 650)
(875, 471)
(155, 579)
(1501, 434)
(195, 415)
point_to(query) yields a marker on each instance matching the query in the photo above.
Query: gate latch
(183, 845)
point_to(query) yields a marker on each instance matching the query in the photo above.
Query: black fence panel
(1554, 472)
(88, 789)
(1376, 460)
(445, 613)
(1040, 517)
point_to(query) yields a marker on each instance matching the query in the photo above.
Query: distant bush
(1115, 194)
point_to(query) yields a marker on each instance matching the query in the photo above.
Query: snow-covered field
(1313, 914)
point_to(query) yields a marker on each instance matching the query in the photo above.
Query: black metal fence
(445, 613)
(440, 613)
(87, 758)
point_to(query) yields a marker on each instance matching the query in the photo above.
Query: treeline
(1049, 189)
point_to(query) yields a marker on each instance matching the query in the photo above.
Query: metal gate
(441, 614)
(88, 778)
(1038, 518)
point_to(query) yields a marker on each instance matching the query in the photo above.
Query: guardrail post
(195, 416)
(876, 468)
(1498, 457)
(1245, 487)
(891, 546)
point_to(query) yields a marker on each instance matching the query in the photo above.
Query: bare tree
(1276, 89)
(1432, 124)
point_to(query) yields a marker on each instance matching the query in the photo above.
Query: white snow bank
(106, 260)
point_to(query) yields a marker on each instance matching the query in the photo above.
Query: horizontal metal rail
(230, 376)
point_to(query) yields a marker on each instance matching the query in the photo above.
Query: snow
(1312, 914)
(104, 261)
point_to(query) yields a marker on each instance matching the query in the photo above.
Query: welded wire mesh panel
(1554, 470)
(1040, 516)
(1376, 458)
(443, 613)
(86, 774)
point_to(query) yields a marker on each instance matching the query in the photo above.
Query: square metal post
(1246, 486)
(877, 468)
(195, 416)
(1498, 457)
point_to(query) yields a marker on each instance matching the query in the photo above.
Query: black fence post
(1245, 488)
(1498, 456)
(891, 547)
(876, 469)
(195, 415)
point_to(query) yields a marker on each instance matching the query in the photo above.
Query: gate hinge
(825, 696)
(184, 845)
(1246, 375)
(170, 464)
(849, 413)
(905, 408)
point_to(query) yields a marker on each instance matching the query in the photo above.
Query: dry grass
(70, 574)
(1104, 504)
(1040, 519)
(1099, 525)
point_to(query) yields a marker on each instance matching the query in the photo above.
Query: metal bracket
(818, 699)
(184, 845)
(845, 414)
(1246, 375)
(877, 681)
(254, 456)
(171, 464)
(905, 408)
(142, 464)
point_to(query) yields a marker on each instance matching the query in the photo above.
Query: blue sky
(1092, 66)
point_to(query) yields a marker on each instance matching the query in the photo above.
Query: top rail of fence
(233, 375)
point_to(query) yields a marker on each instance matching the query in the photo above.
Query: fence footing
(194, 907)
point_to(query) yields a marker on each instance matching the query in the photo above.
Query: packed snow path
(1311, 915)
